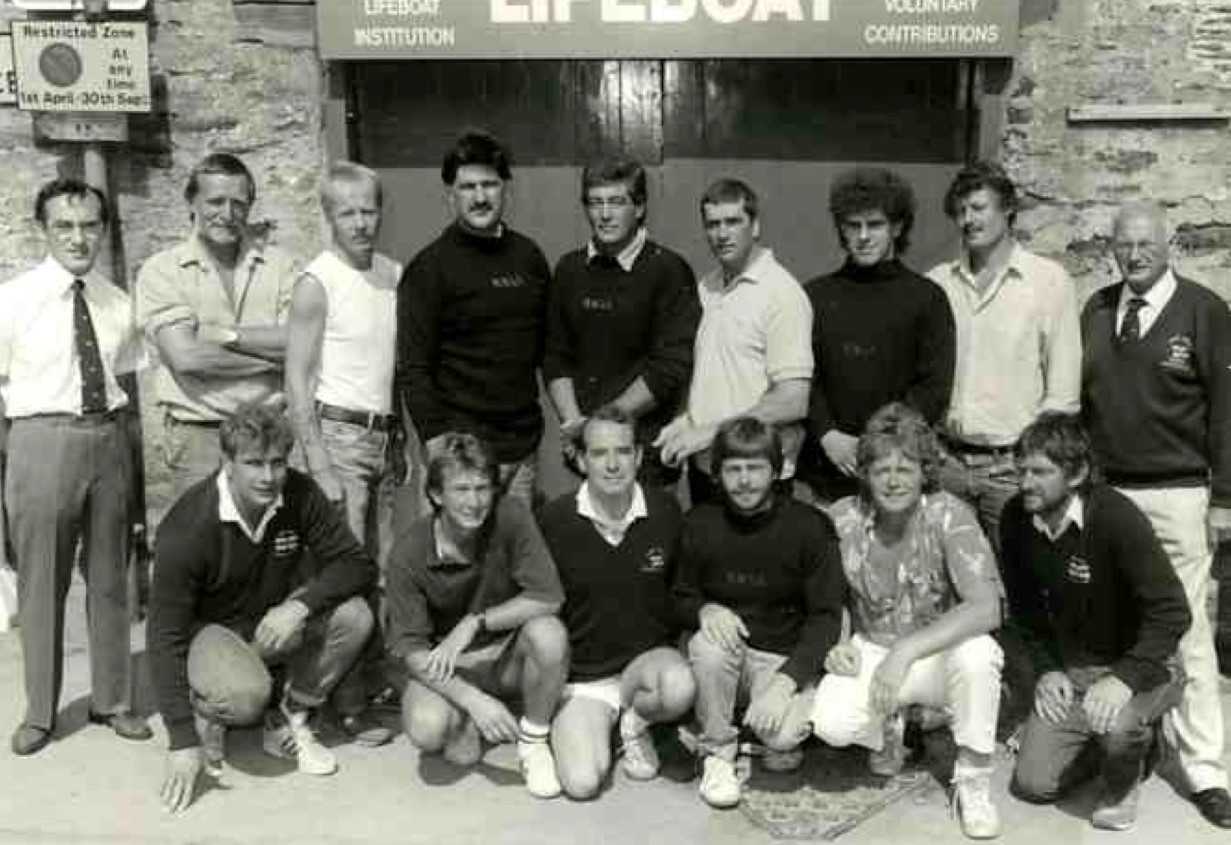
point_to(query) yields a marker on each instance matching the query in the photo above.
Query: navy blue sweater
(1159, 409)
(472, 315)
(617, 599)
(209, 572)
(607, 327)
(780, 571)
(1101, 595)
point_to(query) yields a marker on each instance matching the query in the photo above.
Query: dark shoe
(125, 724)
(28, 739)
(1215, 805)
(364, 730)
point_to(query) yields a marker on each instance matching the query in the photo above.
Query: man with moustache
(472, 310)
(1018, 341)
(1156, 394)
(622, 317)
(760, 580)
(615, 545)
(753, 352)
(472, 595)
(214, 306)
(880, 333)
(254, 569)
(339, 383)
(1102, 609)
(66, 332)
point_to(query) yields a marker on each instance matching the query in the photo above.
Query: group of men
(900, 448)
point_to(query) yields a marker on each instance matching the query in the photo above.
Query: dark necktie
(93, 385)
(1130, 329)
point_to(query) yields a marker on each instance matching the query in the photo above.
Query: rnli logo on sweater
(286, 542)
(1179, 355)
(655, 560)
(1077, 570)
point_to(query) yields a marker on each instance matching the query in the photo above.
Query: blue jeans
(985, 481)
(1049, 763)
(360, 456)
(229, 679)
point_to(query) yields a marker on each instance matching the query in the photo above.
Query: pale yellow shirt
(38, 354)
(180, 284)
(754, 333)
(1018, 347)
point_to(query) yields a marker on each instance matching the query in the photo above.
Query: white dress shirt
(40, 371)
(1156, 298)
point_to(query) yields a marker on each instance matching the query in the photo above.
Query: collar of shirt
(443, 556)
(627, 256)
(760, 267)
(193, 252)
(1074, 514)
(1156, 298)
(613, 531)
(228, 512)
(59, 279)
(1012, 267)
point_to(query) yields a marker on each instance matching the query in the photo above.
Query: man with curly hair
(880, 333)
(924, 597)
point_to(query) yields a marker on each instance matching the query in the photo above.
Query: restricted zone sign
(81, 66)
(8, 76)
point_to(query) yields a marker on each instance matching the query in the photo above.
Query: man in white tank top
(339, 381)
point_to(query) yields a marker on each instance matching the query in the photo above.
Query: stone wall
(1074, 174)
(219, 86)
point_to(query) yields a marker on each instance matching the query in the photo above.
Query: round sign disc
(60, 64)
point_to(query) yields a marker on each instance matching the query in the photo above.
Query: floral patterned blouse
(946, 560)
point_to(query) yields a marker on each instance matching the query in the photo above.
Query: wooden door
(787, 127)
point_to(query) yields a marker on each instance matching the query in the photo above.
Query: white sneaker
(640, 756)
(972, 797)
(538, 767)
(889, 761)
(720, 784)
(287, 734)
(464, 748)
(782, 761)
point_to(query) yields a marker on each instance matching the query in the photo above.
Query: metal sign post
(80, 75)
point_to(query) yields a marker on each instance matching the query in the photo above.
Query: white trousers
(1195, 726)
(964, 680)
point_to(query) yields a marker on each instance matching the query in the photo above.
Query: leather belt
(966, 447)
(89, 418)
(363, 419)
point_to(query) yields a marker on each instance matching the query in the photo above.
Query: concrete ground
(91, 788)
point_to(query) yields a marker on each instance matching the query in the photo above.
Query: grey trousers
(67, 482)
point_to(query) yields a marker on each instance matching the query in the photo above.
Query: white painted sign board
(8, 76)
(82, 66)
(77, 5)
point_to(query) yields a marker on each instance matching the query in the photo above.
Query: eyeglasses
(66, 229)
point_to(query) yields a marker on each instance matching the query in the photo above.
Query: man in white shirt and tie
(66, 332)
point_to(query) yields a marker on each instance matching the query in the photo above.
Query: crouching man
(254, 568)
(760, 578)
(1102, 612)
(471, 592)
(615, 544)
(925, 595)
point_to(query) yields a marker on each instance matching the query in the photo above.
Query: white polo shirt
(755, 331)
